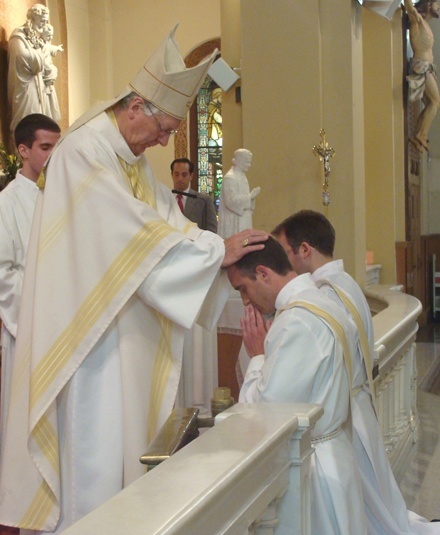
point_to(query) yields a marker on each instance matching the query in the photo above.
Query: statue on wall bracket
(31, 72)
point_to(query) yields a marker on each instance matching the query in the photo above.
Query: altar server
(35, 136)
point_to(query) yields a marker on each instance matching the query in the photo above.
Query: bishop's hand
(242, 243)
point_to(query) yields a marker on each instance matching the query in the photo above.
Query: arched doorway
(201, 140)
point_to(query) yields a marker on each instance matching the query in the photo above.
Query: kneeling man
(300, 359)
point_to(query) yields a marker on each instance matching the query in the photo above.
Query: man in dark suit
(196, 207)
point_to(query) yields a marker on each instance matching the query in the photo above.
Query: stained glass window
(209, 139)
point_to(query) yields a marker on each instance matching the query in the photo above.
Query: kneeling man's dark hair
(272, 256)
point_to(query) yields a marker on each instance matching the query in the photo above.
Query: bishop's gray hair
(148, 108)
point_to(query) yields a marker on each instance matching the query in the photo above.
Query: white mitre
(164, 81)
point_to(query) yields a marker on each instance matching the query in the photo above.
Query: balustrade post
(398, 400)
(412, 413)
(387, 416)
(268, 522)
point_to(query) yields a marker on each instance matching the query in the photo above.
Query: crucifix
(324, 153)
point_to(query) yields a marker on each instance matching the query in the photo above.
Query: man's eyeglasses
(163, 131)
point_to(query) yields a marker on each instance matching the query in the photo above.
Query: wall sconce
(222, 74)
(384, 8)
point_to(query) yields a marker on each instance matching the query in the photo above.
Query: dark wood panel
(430, 245)
(228, 349)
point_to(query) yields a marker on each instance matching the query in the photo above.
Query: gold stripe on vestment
(163, 364)
(46, 439)
(94, 305)
(139, 185)
(334, 324)
(55, 227)
(363, 339)
(189, 226)
(39, 509)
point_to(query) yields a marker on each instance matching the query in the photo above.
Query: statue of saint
(50, 71)
(422, 79)
(236, 201)
(26, 72)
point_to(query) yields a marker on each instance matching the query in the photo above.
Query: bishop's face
(142, 131)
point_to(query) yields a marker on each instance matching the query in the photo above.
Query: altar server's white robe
(111, 284)
(17, 205)
(303, 362)
(385, 507)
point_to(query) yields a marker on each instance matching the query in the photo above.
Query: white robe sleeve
(178, 285)
(292, 366)
(249, 392)
(11, 278)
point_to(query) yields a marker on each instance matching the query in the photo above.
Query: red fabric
(180, 202)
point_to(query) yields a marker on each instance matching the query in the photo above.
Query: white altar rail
(227, 481)
(395, 326)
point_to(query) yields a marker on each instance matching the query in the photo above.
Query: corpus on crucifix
(324, 153)
(422, 79)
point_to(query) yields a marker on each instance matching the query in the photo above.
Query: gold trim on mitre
(165, 81)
